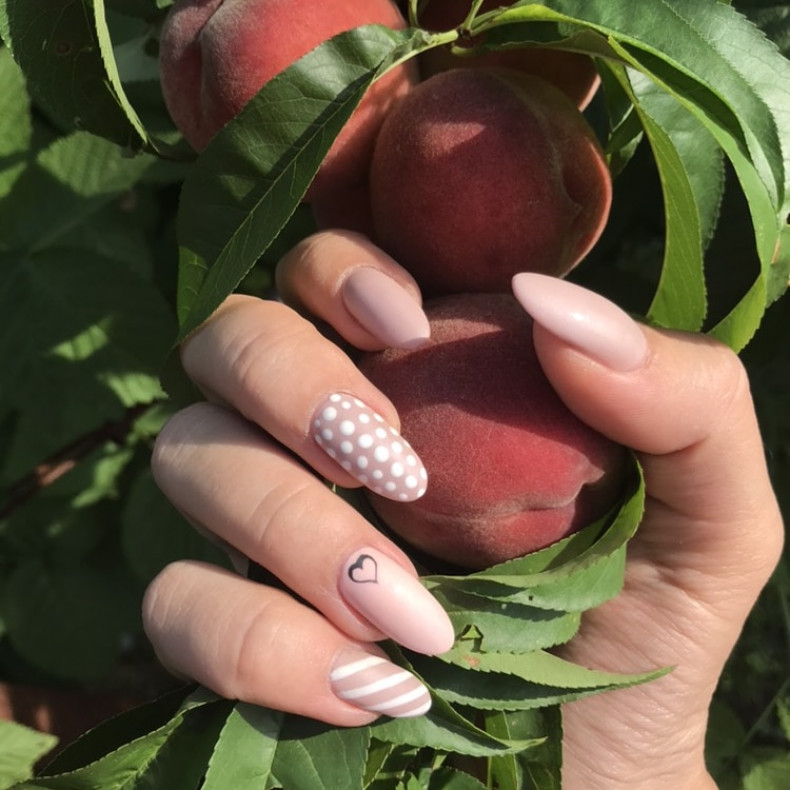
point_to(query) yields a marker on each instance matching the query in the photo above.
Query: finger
(276, 369)
(234, 481)
(256, 644)
(683, 403)
(343, 279)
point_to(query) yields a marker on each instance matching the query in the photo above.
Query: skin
(711, 535)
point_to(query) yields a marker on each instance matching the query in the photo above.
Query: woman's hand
(242, 468)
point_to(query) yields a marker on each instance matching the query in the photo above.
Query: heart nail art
(364, 570)
(369, 449)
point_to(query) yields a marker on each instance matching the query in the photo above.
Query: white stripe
(378, 685)
(395, 702)
(418, 711)
(356, 666)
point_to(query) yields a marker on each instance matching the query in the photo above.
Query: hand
(709, 540)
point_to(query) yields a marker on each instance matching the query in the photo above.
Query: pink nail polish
(584, 319)
(394, 601)
(368, 448)
(375, 684)
(385, 308)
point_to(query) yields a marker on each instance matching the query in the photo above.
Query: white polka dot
(397, 469)
(327, 434)
(346, 465)
(359, 403)
(346, 447)
(345, 405)
(364, 418)
(329, 413)
(319, 438)
(423, 474)
(381, 433)
(335, 398)
(421, 492)
(411, 482)
(317, 423)
(362, 462)
(378, 418)
(331, 453)
(403, 496)
(379, 490)
(363, 479)
(381, 454)
(377, 474)
(347, 427)
(397, 448)
(390, 486)
(365, 441)
(411, 460)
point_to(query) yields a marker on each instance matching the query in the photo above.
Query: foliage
(115, 242)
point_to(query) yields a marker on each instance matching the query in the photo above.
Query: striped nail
(375, 684)
(369, 449)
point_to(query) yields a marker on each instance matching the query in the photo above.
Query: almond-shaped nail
(385, 308)
(583, 319)
(369, 449)
(393, 600)
(377, 685)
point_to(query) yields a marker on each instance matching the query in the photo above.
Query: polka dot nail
(369, 449)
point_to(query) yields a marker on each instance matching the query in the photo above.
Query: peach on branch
(480, 174)
(215, 55)
(573, 73)
(510, 468)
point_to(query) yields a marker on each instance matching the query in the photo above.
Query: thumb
(682, 402)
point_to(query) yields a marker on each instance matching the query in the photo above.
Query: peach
(510, 468)
(573, 73)
(215, 55)
(480, 174)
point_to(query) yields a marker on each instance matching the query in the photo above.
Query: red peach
(510, 468)
(480, 174)
(215, 55)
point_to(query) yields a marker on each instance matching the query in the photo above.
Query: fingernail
(375, 684)
(584, 319)
(394, 601)
(368, 448)
(385, 308)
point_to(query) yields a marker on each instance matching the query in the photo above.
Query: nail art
(584, 319)
(377, 685)
(386, 309)
(368, 448)
(394, 600)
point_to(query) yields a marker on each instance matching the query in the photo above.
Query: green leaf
(100, 335)
(690, 166)
(768, 769)
(174, 755)
(20, 749)
(315, 755)
(491, 681)
(69, 181)
(67, 620)
(252, 176)
(126, 727)
(15, 123)
(444, 729)
(65, 52)
(503, 625)
(245, 749)
(533, 769)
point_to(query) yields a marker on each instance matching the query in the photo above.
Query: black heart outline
(359, 565)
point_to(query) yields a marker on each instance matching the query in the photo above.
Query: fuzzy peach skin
(480, 174)
(573, 73)
(510, 469)
(215, 55)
